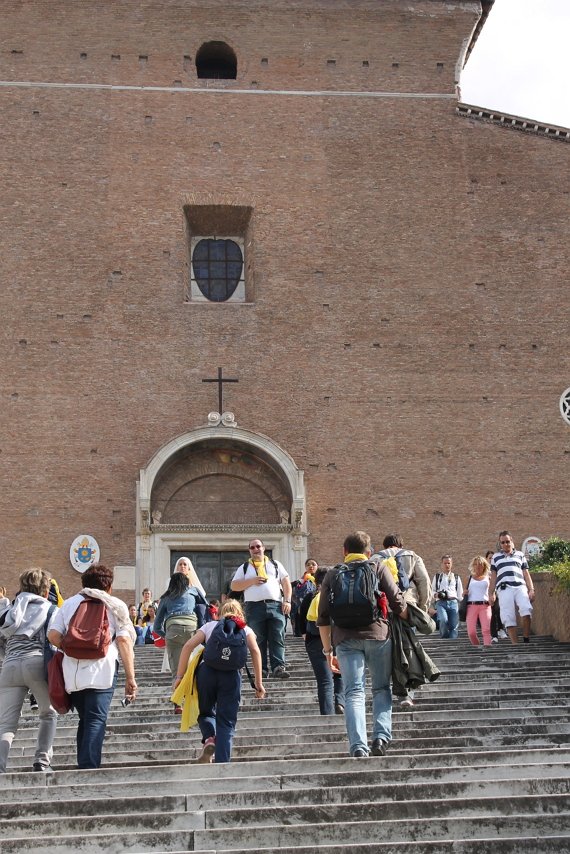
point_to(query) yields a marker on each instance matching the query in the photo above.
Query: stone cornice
(515, 122)
(221, 529)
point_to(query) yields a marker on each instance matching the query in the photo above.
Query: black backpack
(353, 595)
(226, 648)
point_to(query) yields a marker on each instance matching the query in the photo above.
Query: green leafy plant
(554, 558)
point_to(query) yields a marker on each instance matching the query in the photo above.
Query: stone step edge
(105, 841)
(282, 781)
(200, 818)
(432, 791)
(282, 766)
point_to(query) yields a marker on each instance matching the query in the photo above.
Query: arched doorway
(206, 493)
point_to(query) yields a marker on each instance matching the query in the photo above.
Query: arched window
(216, 61)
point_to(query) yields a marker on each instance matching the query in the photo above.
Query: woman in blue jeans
(219, 691)
(91, 682)
(330, 690)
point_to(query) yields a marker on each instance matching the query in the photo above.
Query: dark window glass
(214, 569)
(217, 266)
(216, 61)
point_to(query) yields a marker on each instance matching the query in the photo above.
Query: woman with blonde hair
(219, 691)
(478, 605)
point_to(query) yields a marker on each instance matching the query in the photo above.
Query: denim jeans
(354, 656)
(267, 621)
(219, 693)
(330, 688)
(448, 618)
(17, 675)
(92, 706)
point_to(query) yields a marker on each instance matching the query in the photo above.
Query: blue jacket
(181, 606)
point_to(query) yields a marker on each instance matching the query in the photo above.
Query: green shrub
(554, 558)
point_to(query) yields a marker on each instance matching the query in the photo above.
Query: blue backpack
(353, 595)
(226, 648)
(302, 589)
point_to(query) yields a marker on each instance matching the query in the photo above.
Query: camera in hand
(126, 701)
(442, 594)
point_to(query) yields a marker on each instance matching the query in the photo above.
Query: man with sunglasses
(512, 581)
(261, 580)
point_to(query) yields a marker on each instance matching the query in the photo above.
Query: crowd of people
(210, 643)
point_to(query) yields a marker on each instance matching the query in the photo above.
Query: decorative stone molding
(287, 539)
(228, 419)
(220, 529)
(515, 122)
(248, 438)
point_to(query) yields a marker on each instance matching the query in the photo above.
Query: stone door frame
(154, 542)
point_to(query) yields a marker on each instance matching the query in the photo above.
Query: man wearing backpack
(353, 597)
(417, 590)
(261, 579)
(413, 580)
(93, 629)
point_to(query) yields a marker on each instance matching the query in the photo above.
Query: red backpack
(88, 635)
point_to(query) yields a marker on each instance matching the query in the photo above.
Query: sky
(521, 61)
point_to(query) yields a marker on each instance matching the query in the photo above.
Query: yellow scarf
(186, 694)
(355, 556)
(313, 611)
(260, 566)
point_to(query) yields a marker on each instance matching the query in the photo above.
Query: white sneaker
(494, 640)
(407, 702)
(502, 634)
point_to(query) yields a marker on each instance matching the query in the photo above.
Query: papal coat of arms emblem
(84, 552)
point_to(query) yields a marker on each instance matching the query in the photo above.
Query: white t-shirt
(208, 628)
(79, 674)
(478, 590)
(272, 587)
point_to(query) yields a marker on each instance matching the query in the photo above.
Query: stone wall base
(551, 615)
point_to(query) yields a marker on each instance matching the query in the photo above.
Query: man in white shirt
(261, 580)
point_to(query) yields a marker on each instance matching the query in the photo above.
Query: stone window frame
(219, 221)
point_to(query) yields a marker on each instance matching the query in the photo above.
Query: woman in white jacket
(23, 629)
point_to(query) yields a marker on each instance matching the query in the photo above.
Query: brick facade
(406, 339)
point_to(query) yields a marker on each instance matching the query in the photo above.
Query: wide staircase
(481, 763)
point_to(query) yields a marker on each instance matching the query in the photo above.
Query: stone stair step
(478, 765)
(353, 793)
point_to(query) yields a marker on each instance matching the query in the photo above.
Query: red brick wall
(407, 340)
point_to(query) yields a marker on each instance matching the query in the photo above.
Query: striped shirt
(509, 568)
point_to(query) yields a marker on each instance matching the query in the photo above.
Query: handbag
(49, 650)
(58, 696)
(462, 608)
